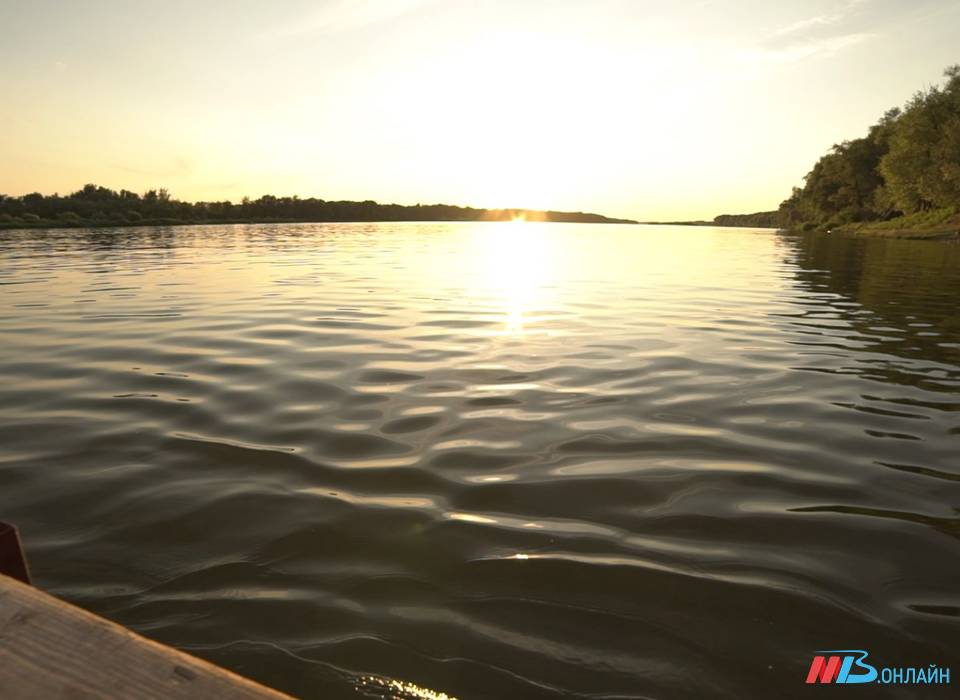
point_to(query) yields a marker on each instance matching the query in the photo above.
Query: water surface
(491, 460)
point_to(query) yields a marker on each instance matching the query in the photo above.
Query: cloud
(856, 18)
(821, 35)
(823, 20)
(816, 48)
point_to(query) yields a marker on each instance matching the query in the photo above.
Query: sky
(646, 110)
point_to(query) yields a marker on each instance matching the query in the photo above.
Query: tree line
(906, 164)
(93, 205)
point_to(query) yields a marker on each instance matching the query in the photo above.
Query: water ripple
(485, 461)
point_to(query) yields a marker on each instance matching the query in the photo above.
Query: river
(491, 460)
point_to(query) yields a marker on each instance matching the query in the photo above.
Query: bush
(30, 217)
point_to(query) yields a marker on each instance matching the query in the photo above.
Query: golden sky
(648, 110)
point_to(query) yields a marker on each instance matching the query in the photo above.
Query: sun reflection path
(514, 262)
(392, 689)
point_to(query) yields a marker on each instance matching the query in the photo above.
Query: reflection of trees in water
(108, 248)
(97, 237)
(893, 297)
(152, 236)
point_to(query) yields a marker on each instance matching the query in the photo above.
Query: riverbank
(115, 223)
(934, 224)
(98, 207)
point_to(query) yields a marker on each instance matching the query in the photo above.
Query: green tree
(922, 168)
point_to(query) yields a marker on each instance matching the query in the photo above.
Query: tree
(841, 187)
(922, 168)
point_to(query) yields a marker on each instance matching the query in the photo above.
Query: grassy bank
(931, 224)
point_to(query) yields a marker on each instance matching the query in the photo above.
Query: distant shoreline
(147, 223)
(94, 207)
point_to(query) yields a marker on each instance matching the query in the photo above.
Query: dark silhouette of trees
(908, 162)
(93, 205)
(760, 219)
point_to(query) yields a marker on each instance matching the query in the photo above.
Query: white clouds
(820, 20)
(818, 36)
(819, 48)
(803, 24)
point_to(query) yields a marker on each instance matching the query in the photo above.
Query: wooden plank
(51, 649)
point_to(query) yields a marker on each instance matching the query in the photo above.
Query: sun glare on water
(513, 264)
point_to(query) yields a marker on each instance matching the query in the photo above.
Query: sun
(520, 218)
